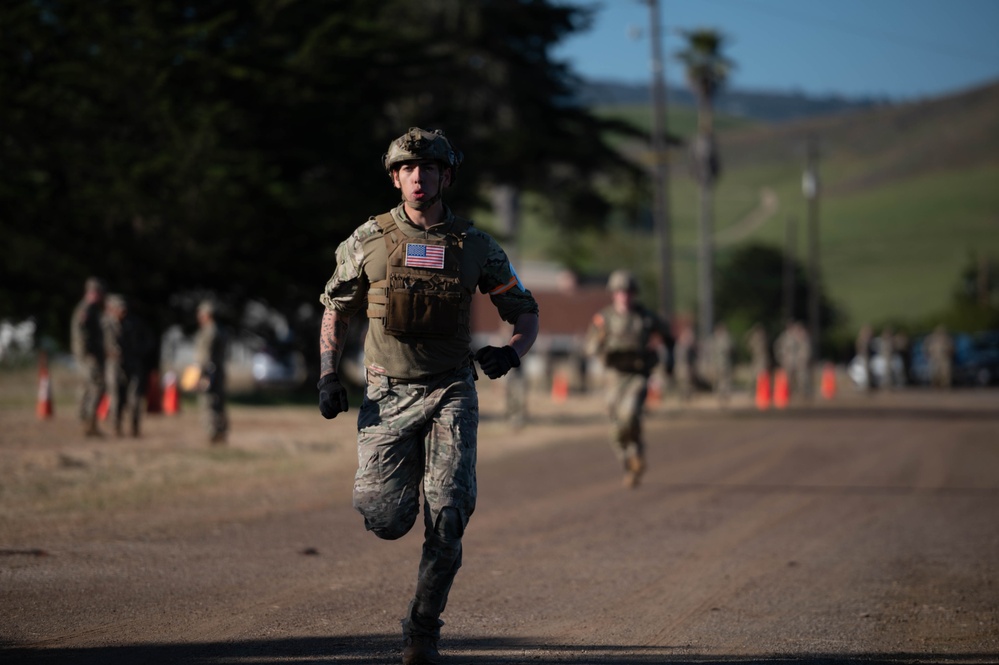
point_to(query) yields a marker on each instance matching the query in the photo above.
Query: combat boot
(636, 467)
(90, 428)
(420, 650)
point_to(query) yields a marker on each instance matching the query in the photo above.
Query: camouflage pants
(126, 390)
(413, 436)
(94, 387)
(626, 393)
(216, 421)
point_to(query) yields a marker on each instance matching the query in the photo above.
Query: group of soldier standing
(112, 345)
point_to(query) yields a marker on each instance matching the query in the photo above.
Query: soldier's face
(420, 180)
(623, 299)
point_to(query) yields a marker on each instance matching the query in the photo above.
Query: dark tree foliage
(750, 289)
(228, 146)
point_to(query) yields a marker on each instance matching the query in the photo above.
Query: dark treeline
(227, 146)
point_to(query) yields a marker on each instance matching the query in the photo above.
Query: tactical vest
(625, 347)
(422, 293)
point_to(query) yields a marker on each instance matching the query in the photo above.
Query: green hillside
(909, 193)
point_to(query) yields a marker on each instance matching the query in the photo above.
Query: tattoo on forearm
(332, 336)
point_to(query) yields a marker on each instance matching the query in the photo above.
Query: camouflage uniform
(87, 342)
(418, 422)
(865, 338)
(793, 352)
(127, 342)
(940, 351)
(685, 359)
(209, 354)
(721, 362)
(626, 343)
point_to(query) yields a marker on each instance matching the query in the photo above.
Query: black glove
(496, 361)
(332, 396)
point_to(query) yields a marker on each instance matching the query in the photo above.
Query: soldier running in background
(629, 339)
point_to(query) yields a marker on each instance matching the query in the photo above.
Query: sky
(895, 49)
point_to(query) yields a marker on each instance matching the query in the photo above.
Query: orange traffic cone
(103, 407)
(782, 391)
(154, 395)
(560, 387)
(763, 391)
(171, 398)
(44, 409)
(828, 386)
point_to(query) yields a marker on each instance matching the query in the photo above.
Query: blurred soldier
(87, 341)
(865, 339)
(413, 272)
(886, 350)
(628, 338)
(802, 362)
(940, 352)
(685, 360)
(127, 342)
(210, 345)
(721, 362)
(792, 350)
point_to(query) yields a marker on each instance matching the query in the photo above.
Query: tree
(750, 290)
(706, 70)
(227, 147)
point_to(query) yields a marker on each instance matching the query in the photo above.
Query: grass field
(909, 198)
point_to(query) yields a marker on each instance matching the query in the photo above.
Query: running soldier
(413, 271)
(628, 338)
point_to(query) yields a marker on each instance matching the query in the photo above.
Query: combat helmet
(622, 280)
(423, 144)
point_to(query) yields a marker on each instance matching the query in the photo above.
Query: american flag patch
(424, 256)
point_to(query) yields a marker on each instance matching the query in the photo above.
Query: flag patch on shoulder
(424, 256)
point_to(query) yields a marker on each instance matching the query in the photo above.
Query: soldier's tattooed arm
(332, 337)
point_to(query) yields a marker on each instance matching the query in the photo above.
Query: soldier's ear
(394, 175)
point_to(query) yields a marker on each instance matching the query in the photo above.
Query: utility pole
(660, 208)
(810, 188)
(790, 243)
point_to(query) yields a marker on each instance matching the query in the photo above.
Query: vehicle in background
(878, 371)
(976, 360)
(278, 368)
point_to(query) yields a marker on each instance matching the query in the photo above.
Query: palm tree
(707, 70)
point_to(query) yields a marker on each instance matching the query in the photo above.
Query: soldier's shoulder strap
(378, 290)
(393, 236)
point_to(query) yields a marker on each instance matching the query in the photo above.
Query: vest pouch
(420, 312)
(632, 362)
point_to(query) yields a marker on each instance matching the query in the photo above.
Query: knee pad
(386, 524)
(450, 527)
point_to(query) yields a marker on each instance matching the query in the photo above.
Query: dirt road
(853, 530)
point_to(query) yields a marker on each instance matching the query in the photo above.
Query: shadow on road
(384, 649)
